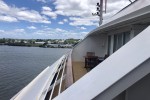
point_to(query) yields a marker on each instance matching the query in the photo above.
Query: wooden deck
(78, 70)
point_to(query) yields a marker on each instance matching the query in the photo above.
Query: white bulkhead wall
(96, 43)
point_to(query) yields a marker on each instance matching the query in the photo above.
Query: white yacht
(123, 75)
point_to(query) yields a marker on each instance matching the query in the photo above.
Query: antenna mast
(100, 10)
(130, 1)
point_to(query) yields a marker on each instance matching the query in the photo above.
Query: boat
(123, 75)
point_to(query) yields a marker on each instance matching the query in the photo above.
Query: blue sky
(51, 19)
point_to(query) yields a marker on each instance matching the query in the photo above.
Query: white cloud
(88, 21)
(58, 33)
(46, 8)
(82, 28)
(31, 27)
(43, 26)
(13, 32)
(8, 18)
(13, 13)
(4, 7)
(60, 22)
(82, 10)
(18, 31)
(34, 16)
(60, 30)
(73, 8)
(65, 20)
(2, 31)
(76, 13)
(48, 11)
(53, 33)
(44, 1)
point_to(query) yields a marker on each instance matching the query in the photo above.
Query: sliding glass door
(120, 40)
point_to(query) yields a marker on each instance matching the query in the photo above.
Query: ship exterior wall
(96, 43)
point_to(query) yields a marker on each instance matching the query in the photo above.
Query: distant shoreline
(43, 43)
(30, 45)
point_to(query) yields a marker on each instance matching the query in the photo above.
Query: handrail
(55, 80)
(58, 81)
(62, 75)
(61, 67)
(38, 88)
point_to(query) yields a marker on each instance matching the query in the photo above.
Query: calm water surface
(20, 65)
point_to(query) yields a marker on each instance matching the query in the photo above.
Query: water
(20, 65)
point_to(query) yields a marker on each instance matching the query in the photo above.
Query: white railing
(42, 84)
(62, 76)
(62, 66)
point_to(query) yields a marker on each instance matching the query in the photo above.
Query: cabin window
(109, 45)
(115, 43)
(126, 37)
(120, 40)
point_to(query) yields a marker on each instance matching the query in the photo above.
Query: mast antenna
(100, 6)
(130, 1)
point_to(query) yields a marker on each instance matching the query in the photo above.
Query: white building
(39, 42)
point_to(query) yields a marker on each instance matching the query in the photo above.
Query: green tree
(3, 40)
(22, 41)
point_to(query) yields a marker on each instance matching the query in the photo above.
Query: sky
(52, 19)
